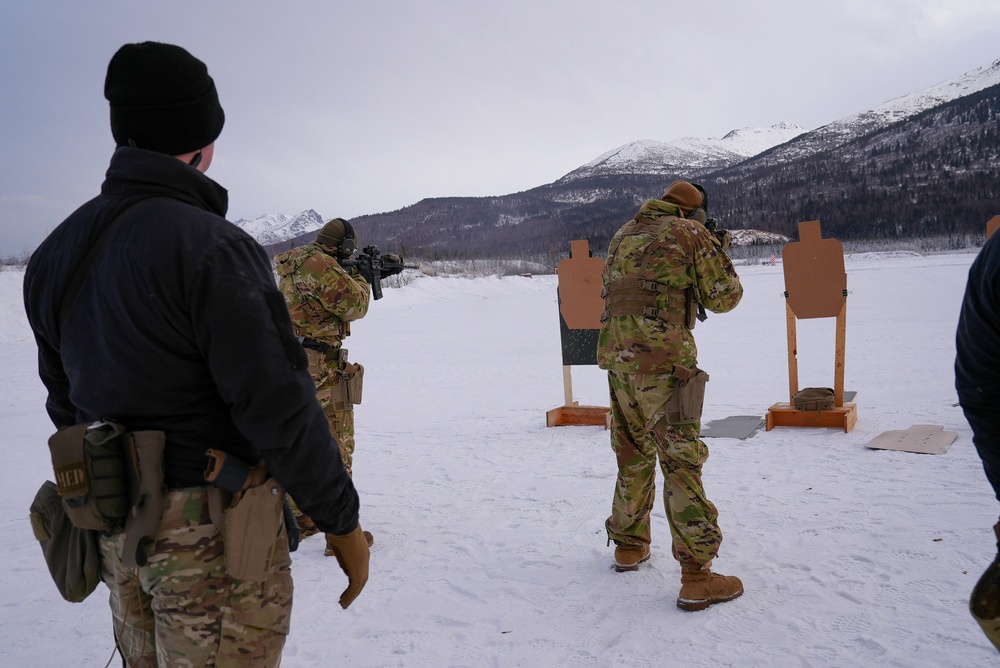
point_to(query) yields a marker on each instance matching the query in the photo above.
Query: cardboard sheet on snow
(925, 439)
(736, 426)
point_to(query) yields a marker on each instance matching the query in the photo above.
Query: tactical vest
(640, 296)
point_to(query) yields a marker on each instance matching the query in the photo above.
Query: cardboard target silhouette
(815, 278)
(580, 307)
(580, 304)
(815, 287)
(992, 226)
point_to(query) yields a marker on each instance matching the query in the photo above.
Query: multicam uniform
(679, 259)
(323, 299)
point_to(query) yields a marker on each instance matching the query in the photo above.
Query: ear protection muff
(704, 197)
(349, 243)
(699, 215)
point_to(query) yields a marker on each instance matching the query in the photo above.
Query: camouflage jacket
(682, 255)
(322, 297)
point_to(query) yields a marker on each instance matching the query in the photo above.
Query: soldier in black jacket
(178, 326)
(977, 379)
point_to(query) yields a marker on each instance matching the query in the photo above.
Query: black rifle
(712, 225)
(372, 265)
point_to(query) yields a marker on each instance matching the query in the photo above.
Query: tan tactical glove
(984, 604)
(724, 239)
(392, 264)
(351, 551)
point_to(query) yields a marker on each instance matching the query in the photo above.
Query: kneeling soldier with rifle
(326, 288)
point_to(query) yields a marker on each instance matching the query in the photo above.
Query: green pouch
(814, 399)
(688, 399)
(71, 553)
(252, 524)
(89, 465)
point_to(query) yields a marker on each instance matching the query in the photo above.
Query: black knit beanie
(162, 99)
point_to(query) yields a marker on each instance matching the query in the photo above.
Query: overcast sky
(351, 108)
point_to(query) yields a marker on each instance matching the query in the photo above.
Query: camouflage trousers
(325, 371)
(339, 415)
(182, 609)
(640, 436)
(342, 428)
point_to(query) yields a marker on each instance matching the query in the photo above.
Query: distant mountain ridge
(854, 174)
(273, 228)
(897, 109)
(686, 153)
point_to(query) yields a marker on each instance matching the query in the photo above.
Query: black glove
(392, 264)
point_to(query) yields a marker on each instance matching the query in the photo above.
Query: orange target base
(579, 415)
(786, 415)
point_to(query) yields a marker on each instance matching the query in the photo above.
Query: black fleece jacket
(179, 326)
(977, 363)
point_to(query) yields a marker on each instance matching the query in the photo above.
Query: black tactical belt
(313, 344)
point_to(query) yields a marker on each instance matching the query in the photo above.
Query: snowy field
(490, 547)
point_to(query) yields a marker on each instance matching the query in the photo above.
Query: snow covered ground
(490, 548)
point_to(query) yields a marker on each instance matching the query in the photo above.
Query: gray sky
(351, 108)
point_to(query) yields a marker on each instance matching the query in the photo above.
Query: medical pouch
(89, 465)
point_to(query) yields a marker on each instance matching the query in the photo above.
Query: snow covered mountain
(847, 173)
(694, 155)
(897, 109)
(687, 154)
(272, 228)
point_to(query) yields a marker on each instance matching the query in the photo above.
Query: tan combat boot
(306, 526)
(628, 557)
(700, 588)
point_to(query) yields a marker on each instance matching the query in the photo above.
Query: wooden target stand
(815, 287)
(992, 225)
(580, 307)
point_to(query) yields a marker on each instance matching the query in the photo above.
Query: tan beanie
(684, 195)
(333, 232)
